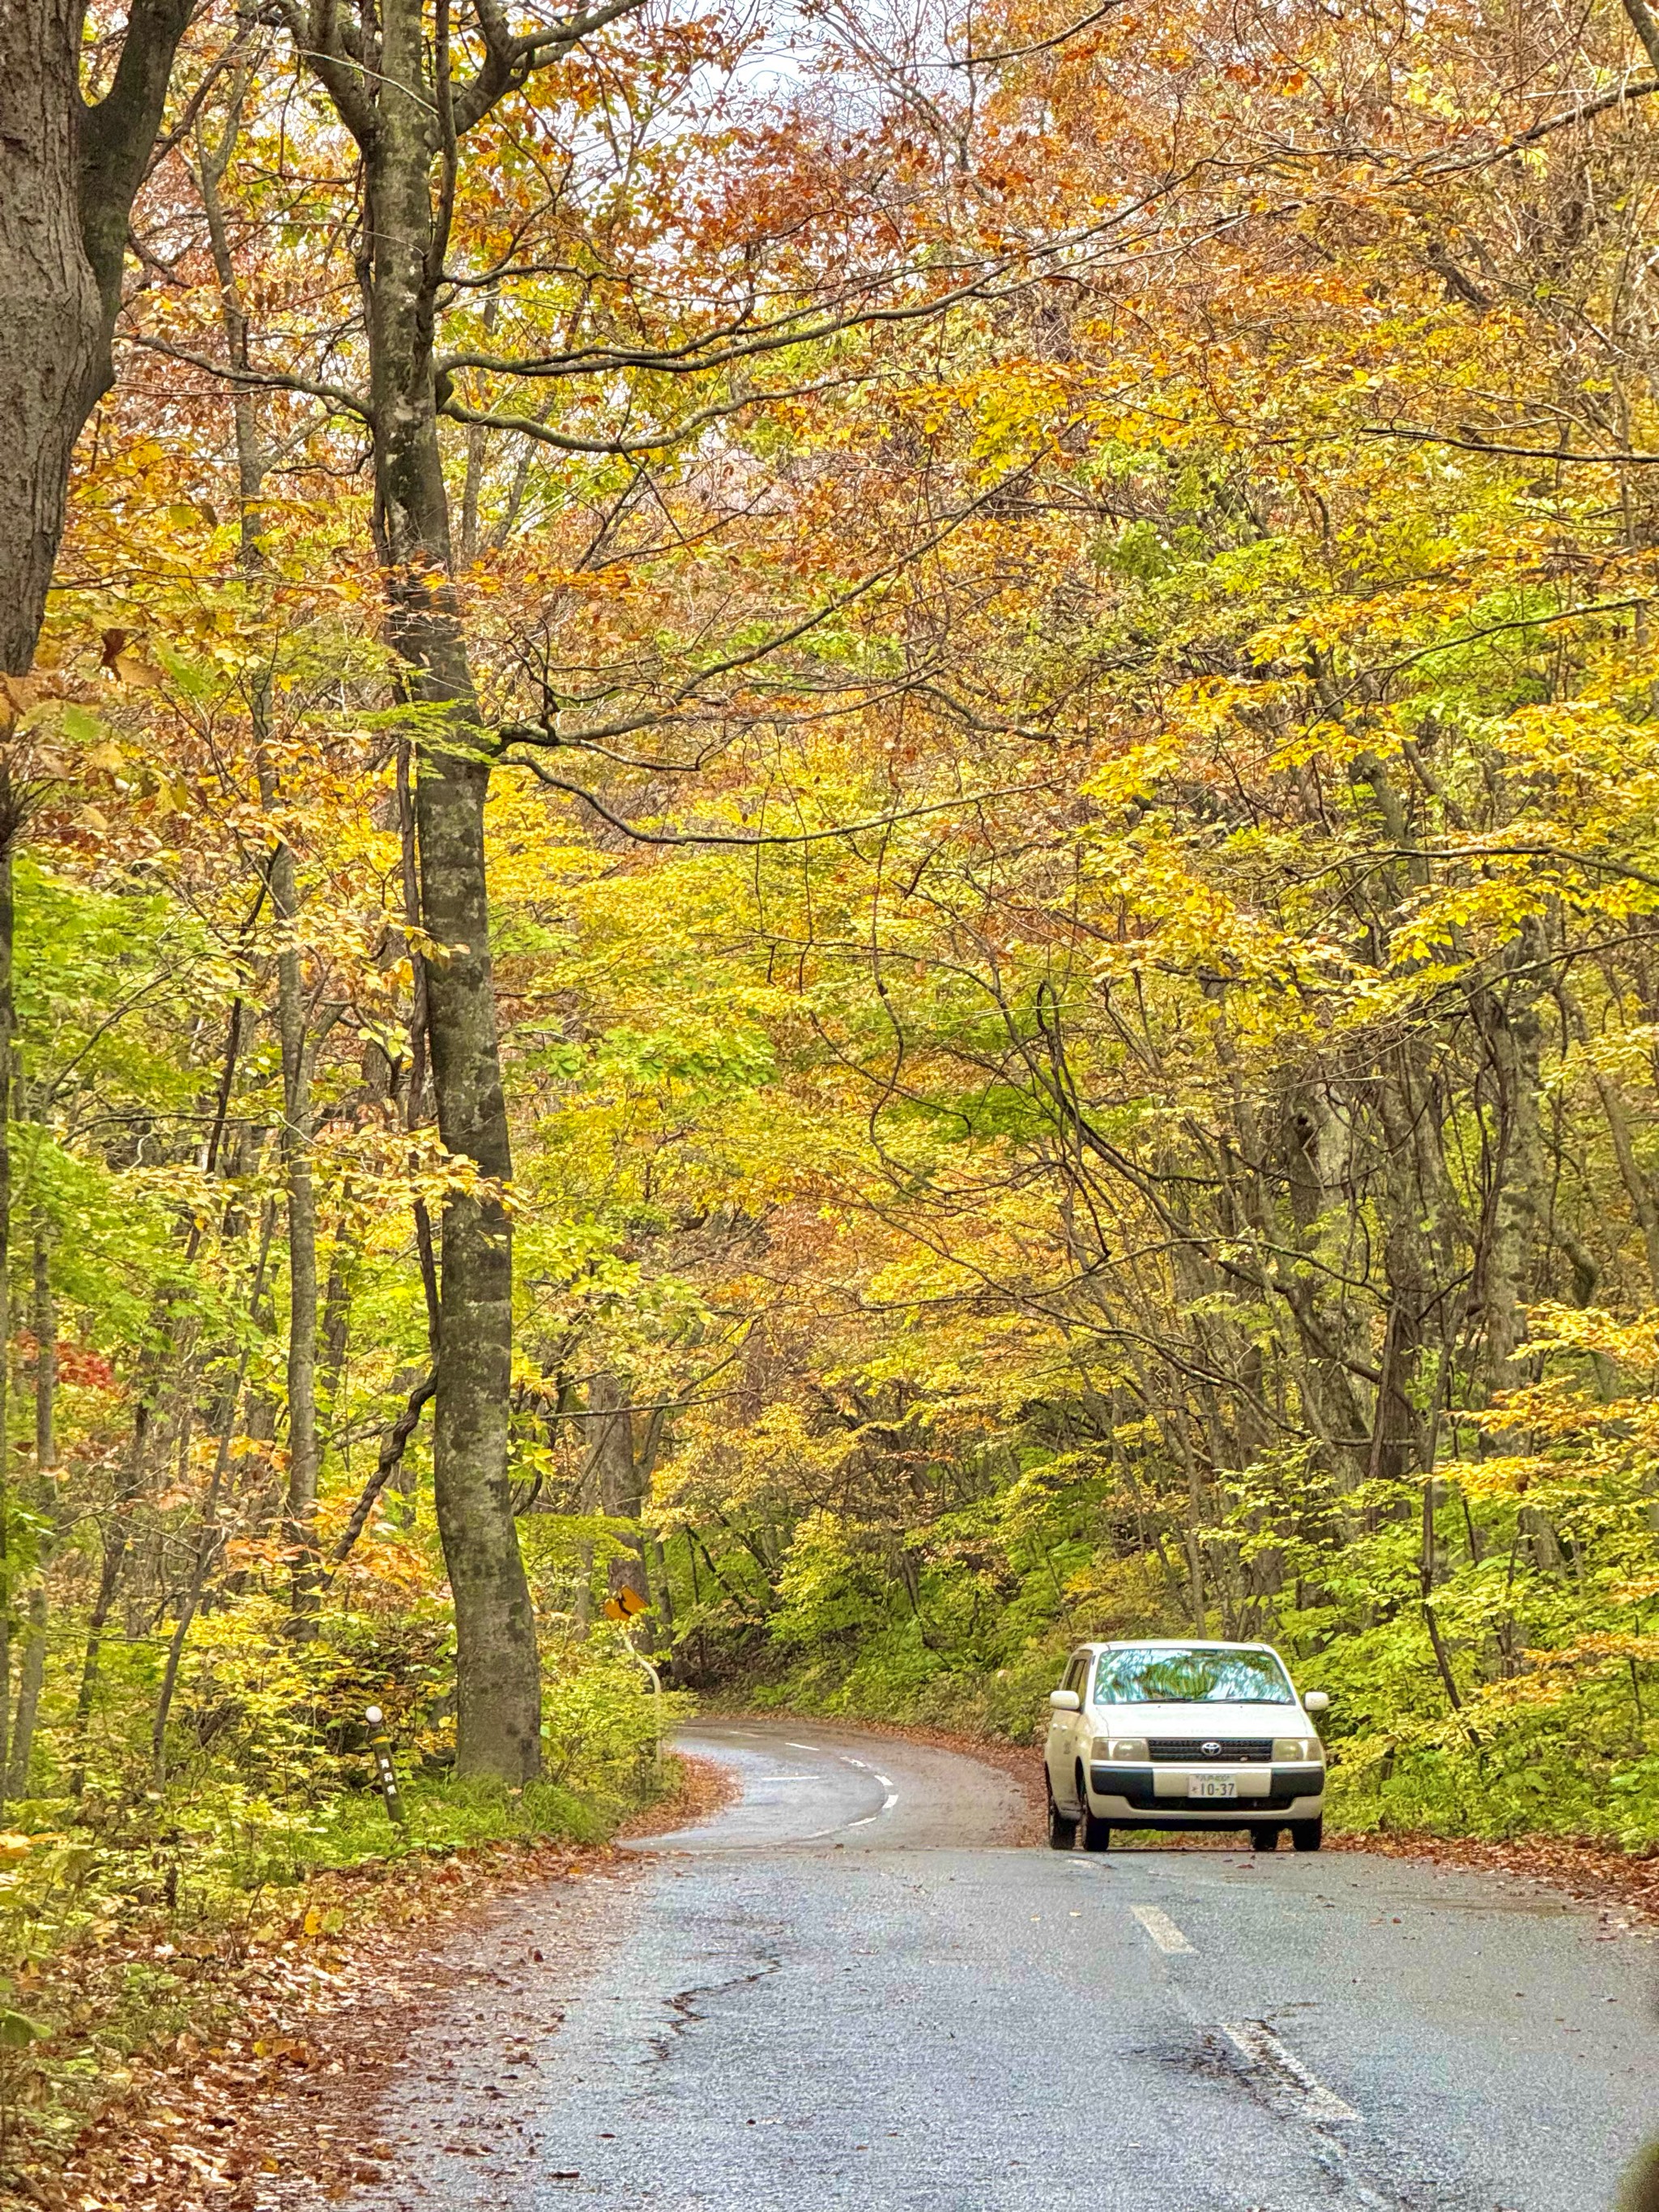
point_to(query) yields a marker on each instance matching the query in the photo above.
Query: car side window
(1076, 1672)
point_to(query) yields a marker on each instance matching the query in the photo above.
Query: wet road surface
(850, 1989)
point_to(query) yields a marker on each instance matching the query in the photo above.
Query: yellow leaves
(1510, 1476)
(1632, 1345)
(1551, 1674)
(14, 1847)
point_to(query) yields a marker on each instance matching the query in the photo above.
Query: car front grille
(1137, 1786)
(1214, 1751)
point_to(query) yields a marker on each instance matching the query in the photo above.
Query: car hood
(1227, 1723)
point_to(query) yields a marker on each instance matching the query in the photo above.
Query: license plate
(1211, 1785)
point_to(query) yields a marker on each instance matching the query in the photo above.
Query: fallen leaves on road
(705, 1787)
(1595, 1872)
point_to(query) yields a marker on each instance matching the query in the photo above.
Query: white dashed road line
(1254, 2040)
(1162, 1929)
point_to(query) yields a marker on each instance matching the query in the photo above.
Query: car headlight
(1296, 1750)
(1121, 1747)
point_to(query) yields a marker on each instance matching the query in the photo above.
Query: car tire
(1308, 1835)
(1095, 1834)
(1264, 1839)
(1062, 1828)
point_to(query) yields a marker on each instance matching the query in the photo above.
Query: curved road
(850, 1989)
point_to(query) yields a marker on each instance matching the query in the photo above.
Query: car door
(1060, 1750)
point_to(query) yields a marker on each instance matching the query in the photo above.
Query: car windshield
(1190, 1675)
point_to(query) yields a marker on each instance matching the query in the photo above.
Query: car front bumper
(1157, 1796)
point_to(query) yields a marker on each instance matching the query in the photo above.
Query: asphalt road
(849, 1990)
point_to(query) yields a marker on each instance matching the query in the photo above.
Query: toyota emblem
(1211, 1750)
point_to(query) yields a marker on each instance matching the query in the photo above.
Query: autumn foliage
(1057, 620)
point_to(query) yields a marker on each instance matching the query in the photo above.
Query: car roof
(1175, 1644)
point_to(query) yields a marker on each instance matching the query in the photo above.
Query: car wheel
(1062, 1828)
(1096, 1833)
(1308, 1835)
(1264, 1839)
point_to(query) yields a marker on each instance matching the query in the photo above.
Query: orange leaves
(127, 667)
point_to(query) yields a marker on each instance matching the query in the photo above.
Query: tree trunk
(1637, 1185)
(498, 1676)
(1508, 1017)
(300, 1509)
(8, 1024)
(50, 317)
(621, 1483)
(33, 1672)
(116, 1536)
(70, 174)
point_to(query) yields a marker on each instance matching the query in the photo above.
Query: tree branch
(649, 443)
(544, 775)
(333, 395)
(117, 137)
(391, 1453)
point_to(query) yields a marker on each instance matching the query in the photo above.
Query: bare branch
(652, 441)
(334, 395)
(544, 775)
(1039, 45)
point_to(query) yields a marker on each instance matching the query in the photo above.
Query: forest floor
(276, 2112)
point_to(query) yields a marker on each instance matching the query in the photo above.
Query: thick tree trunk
(50, 316)
(498, 1670)
(70, 174)
(498, 1685)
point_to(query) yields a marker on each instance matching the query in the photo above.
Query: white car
(1158, 1735)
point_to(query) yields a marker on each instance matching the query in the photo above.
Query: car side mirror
(1065, 1701)
(1316, 1701)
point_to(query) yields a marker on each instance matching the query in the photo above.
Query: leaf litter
(266, 2101)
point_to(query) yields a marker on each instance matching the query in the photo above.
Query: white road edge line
(1162, 1929)
(791, 1745)
(1254, 2040)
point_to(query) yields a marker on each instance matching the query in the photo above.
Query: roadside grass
(120, 1965)
(447, 1813)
